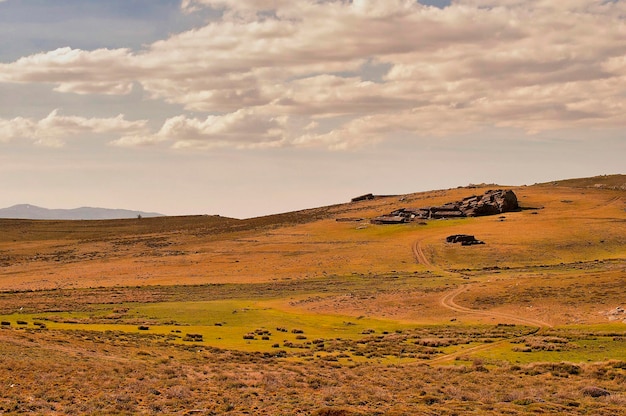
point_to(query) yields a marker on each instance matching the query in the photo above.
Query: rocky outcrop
(464, 239)
(617, 314)
(365, 197)
(491, 202)
(390, 219)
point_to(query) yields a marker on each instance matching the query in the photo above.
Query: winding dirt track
(448, 302)
(465, 351)
(419, 254)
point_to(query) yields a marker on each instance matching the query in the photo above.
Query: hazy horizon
(250, 107)
(279, 211)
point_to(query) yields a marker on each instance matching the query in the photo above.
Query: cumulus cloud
(242, 129)
(101, 71)
(269, 68)
(54, 129)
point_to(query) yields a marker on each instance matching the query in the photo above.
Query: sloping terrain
(320, 310)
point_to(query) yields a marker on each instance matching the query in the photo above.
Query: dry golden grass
(589, 226)
(554, 269)
(90, 373)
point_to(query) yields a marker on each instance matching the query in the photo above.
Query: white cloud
(236, 5)
(102, 71)
(54, 129)
(242, 129)
(270, 68)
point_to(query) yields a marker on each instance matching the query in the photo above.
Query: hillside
(558, 224)
(320, 309)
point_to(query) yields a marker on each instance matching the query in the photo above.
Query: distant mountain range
(32, 212)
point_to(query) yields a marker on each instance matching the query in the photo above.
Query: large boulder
(493, 202)
(464, 239)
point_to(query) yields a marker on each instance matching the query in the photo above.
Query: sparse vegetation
(301, 314)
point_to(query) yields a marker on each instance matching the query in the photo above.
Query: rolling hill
(32, 212)
(322, 312)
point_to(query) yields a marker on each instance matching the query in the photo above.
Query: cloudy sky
(249, 107)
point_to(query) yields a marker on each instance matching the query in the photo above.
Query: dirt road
(419, 254)
(448, 302)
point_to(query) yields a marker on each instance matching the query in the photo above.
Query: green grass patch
(583, 350)
(223, 324)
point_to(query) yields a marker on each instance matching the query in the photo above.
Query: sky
(251, 107)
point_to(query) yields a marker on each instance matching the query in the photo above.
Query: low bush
(593, 391)
(193, 337)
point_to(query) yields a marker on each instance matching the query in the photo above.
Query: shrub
(593, 391)
(193, 337)
(333, 412)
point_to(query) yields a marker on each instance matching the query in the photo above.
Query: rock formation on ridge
(491, 202)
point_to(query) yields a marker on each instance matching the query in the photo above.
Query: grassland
(299, 313)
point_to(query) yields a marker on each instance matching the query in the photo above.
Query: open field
(299, 313)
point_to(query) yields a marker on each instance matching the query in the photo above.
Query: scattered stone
(619, 313)
(390, 219)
